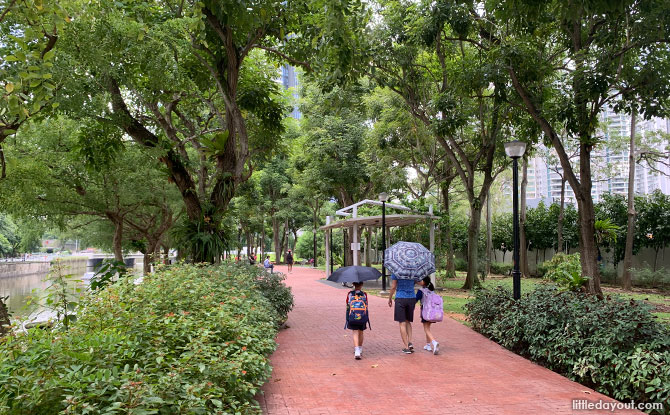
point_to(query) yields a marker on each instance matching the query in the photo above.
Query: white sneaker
(436, 347)
(427, 347)
(357, 354)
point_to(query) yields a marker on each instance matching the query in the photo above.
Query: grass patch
(455, 304)
(663, 317)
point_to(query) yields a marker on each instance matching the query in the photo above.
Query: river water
(27, 293)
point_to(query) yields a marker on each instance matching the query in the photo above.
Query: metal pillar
(516, 273)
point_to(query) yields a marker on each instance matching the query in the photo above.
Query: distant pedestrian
(405, 300)
(423, 295)
(268, 264)
(289, 260)
(357, 316)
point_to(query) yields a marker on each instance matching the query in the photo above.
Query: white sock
(434, 342)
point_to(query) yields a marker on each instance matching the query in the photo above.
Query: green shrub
(540, 271)
(188, 339)
(501, 268)
(561, 261)
(460, 264)
(612, 345)
(608, 274)
(646, 277)
(566, 271)
(273, 288)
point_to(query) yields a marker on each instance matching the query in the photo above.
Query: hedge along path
(315, 371)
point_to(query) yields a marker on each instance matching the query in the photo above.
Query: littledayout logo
(586, 405)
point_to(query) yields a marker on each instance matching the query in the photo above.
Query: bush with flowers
(188, 339)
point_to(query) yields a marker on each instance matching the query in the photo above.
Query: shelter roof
(376, 221)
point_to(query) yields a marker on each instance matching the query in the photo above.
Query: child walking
(357, 316)
(421, 295)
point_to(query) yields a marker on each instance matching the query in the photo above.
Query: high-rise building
(609, 166)
(289, 80)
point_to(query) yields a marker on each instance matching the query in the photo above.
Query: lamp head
(383, 197)
(515, 149)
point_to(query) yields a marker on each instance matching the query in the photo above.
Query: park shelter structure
(356, 224)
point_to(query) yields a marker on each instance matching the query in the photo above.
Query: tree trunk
(165, 255)
(582, 185)
(561, 216)
(117, 239)
(471, 280)
(146, 266)
(626, 278)
(348, 254)
(276, 238)
(283, 241)
(587, 245)
(250, 242)
(587, 218)
(523, 244)
(314, 250)
(489, 237)
(262, 243)
(239, 245)
(179, 174)
(451, 267)
(151, 254)
(157, 255)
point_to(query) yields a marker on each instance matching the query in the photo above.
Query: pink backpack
(431, 306)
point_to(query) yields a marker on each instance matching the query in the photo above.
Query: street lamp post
(515, 150)
(383, 197)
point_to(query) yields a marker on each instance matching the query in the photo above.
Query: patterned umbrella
(409, 260)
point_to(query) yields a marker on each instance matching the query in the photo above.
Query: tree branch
(291, 60)
(9, 7)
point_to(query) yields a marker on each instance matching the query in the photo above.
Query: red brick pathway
(314, 363)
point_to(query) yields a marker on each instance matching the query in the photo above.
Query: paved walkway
(314, 366)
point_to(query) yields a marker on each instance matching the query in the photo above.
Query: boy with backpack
(357, 316)
(431, 312)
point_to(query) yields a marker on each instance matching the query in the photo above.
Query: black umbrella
(354, 273)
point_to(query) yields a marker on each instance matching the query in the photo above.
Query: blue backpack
(358, 308)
